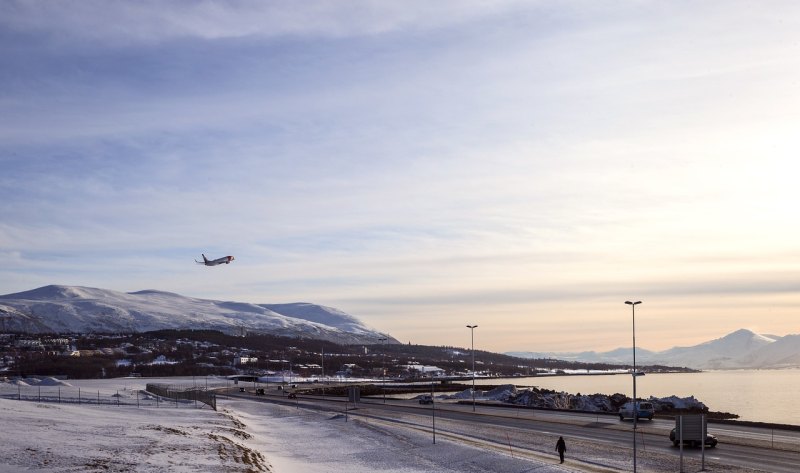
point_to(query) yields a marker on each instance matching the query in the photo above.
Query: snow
(126, 430)
(241, 436)
(64, 309)
(560, 400)
(679, 402)
(741, 349)
(53, 382)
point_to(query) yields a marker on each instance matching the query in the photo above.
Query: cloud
(152, 21)
(437, 158)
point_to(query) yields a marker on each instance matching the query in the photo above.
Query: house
(244, 360)
(423, 370)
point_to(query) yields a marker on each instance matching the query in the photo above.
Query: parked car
(426, 399)
(641, 409)
(711, 440)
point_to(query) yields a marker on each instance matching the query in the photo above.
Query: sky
(523, 166)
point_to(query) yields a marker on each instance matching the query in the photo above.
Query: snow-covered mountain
(737, 350)
(720, 353)
(63, 309)
(784, 352)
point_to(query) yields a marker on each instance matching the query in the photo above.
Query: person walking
(561, 447)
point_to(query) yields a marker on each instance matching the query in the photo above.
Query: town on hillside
(207, 352)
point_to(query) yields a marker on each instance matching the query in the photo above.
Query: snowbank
(675, 402)
(35, 382)
(53, 382)
(547, 399)
(500, 393)
(16, 382)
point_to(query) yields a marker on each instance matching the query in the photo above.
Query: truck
(640, 409)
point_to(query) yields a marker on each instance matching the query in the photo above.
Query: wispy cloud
(414, 163)
(149, 21)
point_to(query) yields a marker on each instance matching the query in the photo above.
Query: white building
(244, 360)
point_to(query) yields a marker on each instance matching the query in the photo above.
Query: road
(603, 442)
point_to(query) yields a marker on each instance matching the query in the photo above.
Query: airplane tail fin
(205, 260)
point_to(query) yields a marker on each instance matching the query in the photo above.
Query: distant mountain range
(742, 349)
(63, 309)
(75, 309)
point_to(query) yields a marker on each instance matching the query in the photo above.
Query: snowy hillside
(721, 353)
(64, 309)
(737, 350)
(783, 353)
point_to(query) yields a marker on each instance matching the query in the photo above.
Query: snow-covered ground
(241, 436)
(111, 426)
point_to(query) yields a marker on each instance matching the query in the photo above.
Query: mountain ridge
(740, 349)
(61, 308)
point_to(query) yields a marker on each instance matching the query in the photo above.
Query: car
(426, 399)
(292, 396)
(241, 390)
(711, 440)
(260, 391)
(641, 410)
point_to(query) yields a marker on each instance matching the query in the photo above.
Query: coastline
(767, 396)
(510, 395)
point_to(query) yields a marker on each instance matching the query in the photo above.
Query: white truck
(640, 409)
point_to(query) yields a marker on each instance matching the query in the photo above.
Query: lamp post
(635, 404)
(384, 340)
(472, 336)
(322, 372)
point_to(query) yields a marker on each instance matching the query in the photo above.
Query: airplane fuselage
(214, 262)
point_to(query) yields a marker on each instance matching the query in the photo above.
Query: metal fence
(155, 395)
(77, 395)
(187, 394)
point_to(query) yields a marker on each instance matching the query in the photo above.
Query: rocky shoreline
(537, 398)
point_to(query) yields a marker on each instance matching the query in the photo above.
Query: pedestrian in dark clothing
(561, 447)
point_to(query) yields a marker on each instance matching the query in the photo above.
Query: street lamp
(635, 404)
(384, 340)
(322, 372)
(472, 336)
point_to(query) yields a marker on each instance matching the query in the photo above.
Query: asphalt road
(604, 441)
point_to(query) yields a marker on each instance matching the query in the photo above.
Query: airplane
(214, 262)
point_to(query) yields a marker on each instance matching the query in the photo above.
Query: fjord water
(755, 395)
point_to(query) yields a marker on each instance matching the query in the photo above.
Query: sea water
(755, 395)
